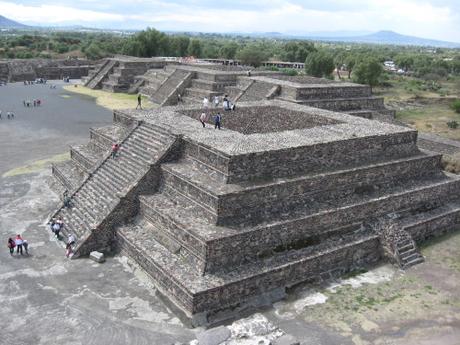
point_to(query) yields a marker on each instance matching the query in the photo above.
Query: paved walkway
(41, 132)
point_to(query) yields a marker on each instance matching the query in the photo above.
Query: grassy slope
(111, 100)
(427, 110)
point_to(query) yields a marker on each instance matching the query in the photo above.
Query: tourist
(35, 102)
(216, 101)
(0, 114)
(18, 241)
(205, 103)
(115, 148)
(12, 115)
(217, 121)
(139, 100)
(57, 228)
(53, 221)
(11, 245)
(69, 244)
(226, 103)
(25, 244)
(39, 102)
(66, 199)
(179, 98)
(203, 119)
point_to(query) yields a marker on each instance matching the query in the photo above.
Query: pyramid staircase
(97, 76)
(101, 199)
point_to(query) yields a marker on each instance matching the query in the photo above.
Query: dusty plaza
(311, 217)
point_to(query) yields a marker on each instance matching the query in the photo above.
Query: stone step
(107, 135)
(210, 85)
(435, 222)
(86, 156)
(102, 74)
(416, 261)
(69, 174)
(407, 258)
(148, 90)
(195, 294)
(402, 247)
(135, 148)
(186, 220)
(206, 187)
(148, 140)
(112, 170)
(347, 104)
(159, 133)
(367, 114)
(201, 93)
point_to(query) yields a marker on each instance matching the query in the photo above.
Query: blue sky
(438, 19)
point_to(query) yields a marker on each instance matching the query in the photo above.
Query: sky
(436, 19)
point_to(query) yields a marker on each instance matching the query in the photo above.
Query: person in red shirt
(115, 148)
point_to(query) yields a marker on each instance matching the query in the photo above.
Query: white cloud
(54, 14)
(431, 19)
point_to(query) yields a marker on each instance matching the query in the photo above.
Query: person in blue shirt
(217, 121)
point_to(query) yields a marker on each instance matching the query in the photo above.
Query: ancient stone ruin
(51, 69)
(225, 221)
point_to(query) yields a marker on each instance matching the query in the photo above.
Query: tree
(252, 55)
(228, 50)
(93, 52)
(368, 72)
(194, 48)
(319, 64)
(404, 61)
(297, 51)
(350, 62)
(339, 61)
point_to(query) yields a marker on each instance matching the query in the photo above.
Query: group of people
(217, 119)
(36, 81)
(226, 103)
(56, 226)
(35, 102)
(9, 115)
(19, 243)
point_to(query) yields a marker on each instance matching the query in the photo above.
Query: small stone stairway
(97, 202)
(398, 244)
(99, 76)
(408, 255)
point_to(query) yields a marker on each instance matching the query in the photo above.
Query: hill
(6, 23)
(388, 37)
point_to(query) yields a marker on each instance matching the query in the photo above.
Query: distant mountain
(388, 37)
(6, 23)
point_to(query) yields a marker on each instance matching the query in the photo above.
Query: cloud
(427, 18)
(52, 14)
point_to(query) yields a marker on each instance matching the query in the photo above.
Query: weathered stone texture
(230, 218)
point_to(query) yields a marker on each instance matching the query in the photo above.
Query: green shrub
(290, 71)
(456, 106)
(452, 124)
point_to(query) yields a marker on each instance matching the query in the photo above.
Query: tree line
(363, 62)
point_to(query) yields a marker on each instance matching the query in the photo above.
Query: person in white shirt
(205, 103)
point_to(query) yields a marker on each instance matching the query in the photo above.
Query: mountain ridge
(6, 23)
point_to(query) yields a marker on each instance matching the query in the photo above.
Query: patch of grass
(36, 166)
(111, 100)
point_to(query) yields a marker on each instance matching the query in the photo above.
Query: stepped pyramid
(224, 221)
